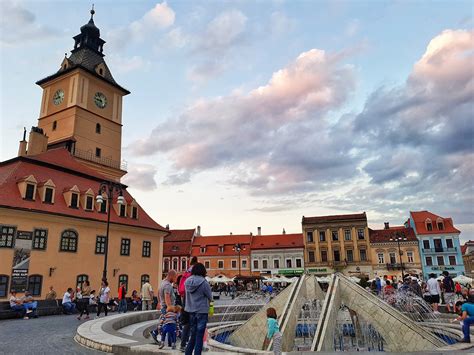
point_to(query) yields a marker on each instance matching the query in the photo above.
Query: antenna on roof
(24, 134)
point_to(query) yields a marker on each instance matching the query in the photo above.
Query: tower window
(98, 128)
(55, 125)
(98, 152)
(101, 71)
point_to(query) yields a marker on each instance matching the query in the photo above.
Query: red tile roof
(61, 167)
(421, 217)
(178, 242)
(384, 235)
(180, 235)
(176, 248)
(212, 244)
(278, 241)
(335, 218)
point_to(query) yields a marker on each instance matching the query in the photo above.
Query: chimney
(38, 141)
(198, 232)
(387, 225)
(259, 230)
(284, 231)
(230, 233)
(168, 226)
(23, 143)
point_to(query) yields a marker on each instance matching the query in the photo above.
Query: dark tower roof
(87, 54)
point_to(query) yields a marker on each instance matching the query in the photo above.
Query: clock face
(100, 100)
(58, 97)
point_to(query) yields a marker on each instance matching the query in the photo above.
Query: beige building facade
(52, 229)
(337, 243)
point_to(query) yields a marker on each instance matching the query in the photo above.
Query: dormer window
(74, 200)
(89, 202)
(48, 195)
(203, 250)
(134, 212)
(440, 224)
(103, 206)
(221, 249)
(30, 192)
(123, 210)
(429, 225)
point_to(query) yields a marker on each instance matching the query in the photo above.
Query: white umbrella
(208, 279)
(221, 278)
(324, 279)
(440, 278)
(462, 279)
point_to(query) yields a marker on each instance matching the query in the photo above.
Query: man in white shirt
(433, 288)
(68, 306)
(16, 304)
(147, 297)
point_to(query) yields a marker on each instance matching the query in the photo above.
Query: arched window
(166, 265)
(124, 279)
(98, 128)
(101, 71)
(34, 284)
(3, 285)
(69, 241)
(144, 278)
(175, 264)
(81, 279)
(429, 224)
(184, 264)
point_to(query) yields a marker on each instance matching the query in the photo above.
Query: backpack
(181, 288)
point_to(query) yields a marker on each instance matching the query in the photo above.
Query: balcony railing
(440, 250)
(88, 155)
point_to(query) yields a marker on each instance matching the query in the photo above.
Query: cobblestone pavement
(45, 335)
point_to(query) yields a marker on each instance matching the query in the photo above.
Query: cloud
(18, 25)
(141, 176)
(271, 135)
(214, 47)
(280, 23)
(160, 17)
(123, 64)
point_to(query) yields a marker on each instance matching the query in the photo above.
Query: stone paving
(45, 335)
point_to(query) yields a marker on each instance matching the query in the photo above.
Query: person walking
(85, 301)
(147, 297)
(198, 297)
(448, 288)
(104, 298)
(122, 291)
(434, 290)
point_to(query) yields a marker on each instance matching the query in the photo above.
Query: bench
(45, 308)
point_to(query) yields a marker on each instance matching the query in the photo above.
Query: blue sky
(254, 113)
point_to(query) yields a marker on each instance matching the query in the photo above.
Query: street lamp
(238, 248)
(399, 238)
(109, 187)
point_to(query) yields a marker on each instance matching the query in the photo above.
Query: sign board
(443, 268)
(19, 281)
(318, 270)
(21, 261)
(290, 271)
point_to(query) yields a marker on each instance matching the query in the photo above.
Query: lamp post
(109, 188)
(399, 238)
(238, 248)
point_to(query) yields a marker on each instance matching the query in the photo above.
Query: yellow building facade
(395, 252)
(337, 243)
(52, 229)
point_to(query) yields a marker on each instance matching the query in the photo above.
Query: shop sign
(290, 272)
(443, 268)
(21, 261)
(318, 270)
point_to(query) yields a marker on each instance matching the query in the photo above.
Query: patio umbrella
(221, 278)
(462, 279)
(354, 279)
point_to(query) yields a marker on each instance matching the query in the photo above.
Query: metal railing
(88, 155)
(440, 250)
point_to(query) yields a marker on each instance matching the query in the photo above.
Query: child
(273, 332)
(169, 326)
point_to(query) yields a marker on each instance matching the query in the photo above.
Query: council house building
(52, 228)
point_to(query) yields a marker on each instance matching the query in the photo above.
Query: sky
(256, 113)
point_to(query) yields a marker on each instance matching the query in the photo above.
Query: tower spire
(92, 13)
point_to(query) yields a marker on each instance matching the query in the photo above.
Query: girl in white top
(104, 295)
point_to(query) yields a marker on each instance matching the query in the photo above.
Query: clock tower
(81, 106)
